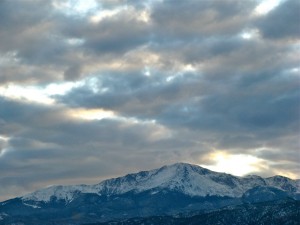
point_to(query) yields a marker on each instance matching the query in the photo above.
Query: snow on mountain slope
(284, 183)
(60, 192)
(189, 179)
(3, 215)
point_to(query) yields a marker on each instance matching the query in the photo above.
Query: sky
(94, 89)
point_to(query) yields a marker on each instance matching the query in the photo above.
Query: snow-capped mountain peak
(191, 180)
(170, 190)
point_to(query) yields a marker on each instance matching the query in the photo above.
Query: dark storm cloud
(30, 35)
(114, 35)
(193, 19)
(239, 115)
(134, 94)
(40, 44)
(249, 101)
(54, 126)
(282, 22)
(117, 35)
(20, 21)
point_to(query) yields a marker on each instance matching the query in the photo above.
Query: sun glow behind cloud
(286, 174)
(239, 164)
(250, 34)
(91, 114)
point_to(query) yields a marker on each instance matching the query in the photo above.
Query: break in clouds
(95, 89)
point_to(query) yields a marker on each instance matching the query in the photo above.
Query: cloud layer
(139, 85)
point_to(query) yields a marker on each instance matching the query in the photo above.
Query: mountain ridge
(190, 179)
(179, 188)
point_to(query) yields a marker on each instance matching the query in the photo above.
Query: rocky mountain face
(170, 190)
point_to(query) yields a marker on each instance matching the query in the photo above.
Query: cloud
(282, 22)
(48, 144)
(193, 19)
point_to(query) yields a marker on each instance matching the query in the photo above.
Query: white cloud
(104, 13)
(37, 94)
(265, 6)
(75, 7)
(25, 93)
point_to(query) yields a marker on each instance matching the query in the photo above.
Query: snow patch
(33, 206)
(65, 193)
(3, 215)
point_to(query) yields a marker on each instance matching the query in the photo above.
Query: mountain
(185, 178)
(282, 212)
(180, 188)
